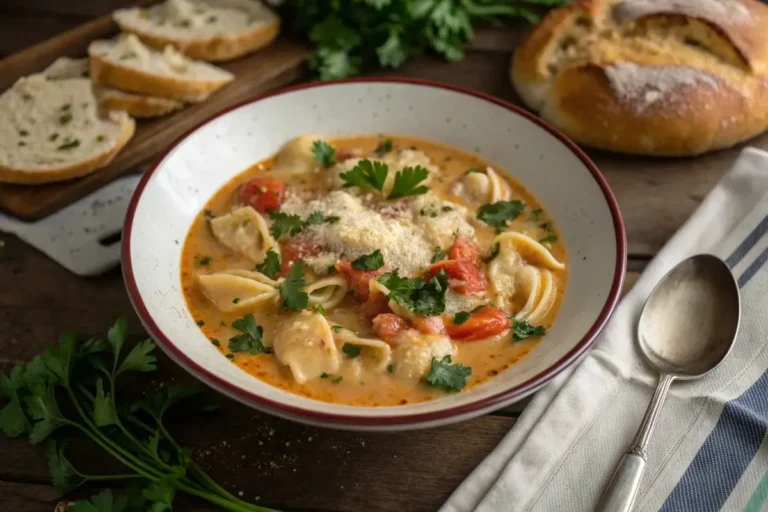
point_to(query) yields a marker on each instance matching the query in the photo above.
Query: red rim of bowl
(351, 420)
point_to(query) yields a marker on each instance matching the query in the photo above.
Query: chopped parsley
(438, 256)
(407, 182)
(72, 144)
(423, 298)
(498, 214)
(204, 261)
(372, 261)
(100, 138)
(270, 267)
(222, 323)
(319, 218)
(324, 153)
(215, 342)
(23, 133)
(548, 239)
(320, 309)
(522, 330)
(208, 213)
(535, 215)
(460, 317)
(383, 148)
(366, 174)
(250, 337)
(230, 356)
(324, 375)
(21, 143)
(494, 252)
(235, 300)
(337, 379)
(65, 118)
(447, 376)
(200, 323)
(351, 350)
(292, 289)
(283, 223)
(66, 107)
(52, 137)
(245, 222)
(391, 368)
(336, 328)
(446, 209)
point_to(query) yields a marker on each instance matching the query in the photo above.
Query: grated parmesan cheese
(455, 302)
(361, 230)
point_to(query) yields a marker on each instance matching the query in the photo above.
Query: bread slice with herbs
(212, 30)
(53, 130)
(126, 64)
(137, 105)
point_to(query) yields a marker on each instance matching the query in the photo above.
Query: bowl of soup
(375, 254)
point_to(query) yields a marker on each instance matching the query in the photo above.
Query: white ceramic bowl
(566, 182)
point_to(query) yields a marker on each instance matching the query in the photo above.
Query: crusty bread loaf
(124, 63)
(653, 77)
(52, 130)
(212, 30)
(137, 105)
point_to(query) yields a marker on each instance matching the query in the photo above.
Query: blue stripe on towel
(730, 447)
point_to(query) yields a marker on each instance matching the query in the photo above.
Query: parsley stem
(98, 478)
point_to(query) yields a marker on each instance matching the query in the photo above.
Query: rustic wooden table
(277, 463)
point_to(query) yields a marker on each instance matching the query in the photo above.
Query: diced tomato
(357, 279)
(429, 324)
(346, 154)
(389, 325)
(376, 304)
(296, 249)
(464, 249)
(464, 277)
(483, 323)
(263, 194)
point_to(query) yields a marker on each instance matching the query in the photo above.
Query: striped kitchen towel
(710, 450)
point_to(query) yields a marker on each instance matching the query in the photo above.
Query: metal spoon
(687, 328)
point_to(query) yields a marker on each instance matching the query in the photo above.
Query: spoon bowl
(687, 327)
(691, 318)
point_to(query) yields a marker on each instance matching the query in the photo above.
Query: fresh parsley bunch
(351, 34)
(72, 387)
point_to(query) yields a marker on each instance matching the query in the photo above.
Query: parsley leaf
(407, 182)
(285, 224)
(522, 330)
(44, 410)
(497, 214)
(64, 476)
(104, 412)
(337, 328)
(13, 420)
(383, 148)
(535, 215)
(447, 376)
(270, 267)
(250, 339)
(366, 174)
(139, 359)
(423, 298)
(337, 380)
(351, 350)
(460, 317)
(324, 153)
(548, 239)
(372, 261)
(438, 256)
(494, 252)
(292, 289)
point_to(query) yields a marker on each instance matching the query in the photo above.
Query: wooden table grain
(274, 462)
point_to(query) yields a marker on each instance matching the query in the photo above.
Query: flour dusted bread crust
(52, 130)
(126, 64)
(212, 30)
(136, 105)
(653, 77)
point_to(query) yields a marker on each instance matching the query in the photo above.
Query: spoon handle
(620, 493)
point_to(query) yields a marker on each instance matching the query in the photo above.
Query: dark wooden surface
(285, 465)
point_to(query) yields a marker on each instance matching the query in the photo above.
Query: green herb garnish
(270, 267)
(337, 379)
(407, 182)
(69, 145)
(351, 350)
(250, 337)
(324, 375)
(522, 330)
(336, 328)
(215, 342)
(439, 255)
(447, 376)
(324, 153)
(236, 300)
(65, 119)
(285, 224)
(383, 148)
(204, 261)
(498, 214)
(372, 261)
(424, 298)
(366, 174)
(548, 239)
(292, 289)
(23, 133)
(494, 252)
(460, 317)
(200, 323)
(535, 215)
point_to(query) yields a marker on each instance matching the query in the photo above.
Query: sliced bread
(213, 30)
(137, 105)
(125, 63)
(52, 130)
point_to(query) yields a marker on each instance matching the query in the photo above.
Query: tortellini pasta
(304, 342)
(522, 269)
(296, 156)
(244, 231)
(412, 357)
(327, 292)
(236, 290)
(483, 187)
(375, 354)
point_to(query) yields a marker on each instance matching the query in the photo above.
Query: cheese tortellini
(296, 156)
(482, 187)
(244, 231)
(412, 357)
(327, 292)
(236, 290)
(304, 342)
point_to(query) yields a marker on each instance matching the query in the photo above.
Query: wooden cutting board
(280, 64)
